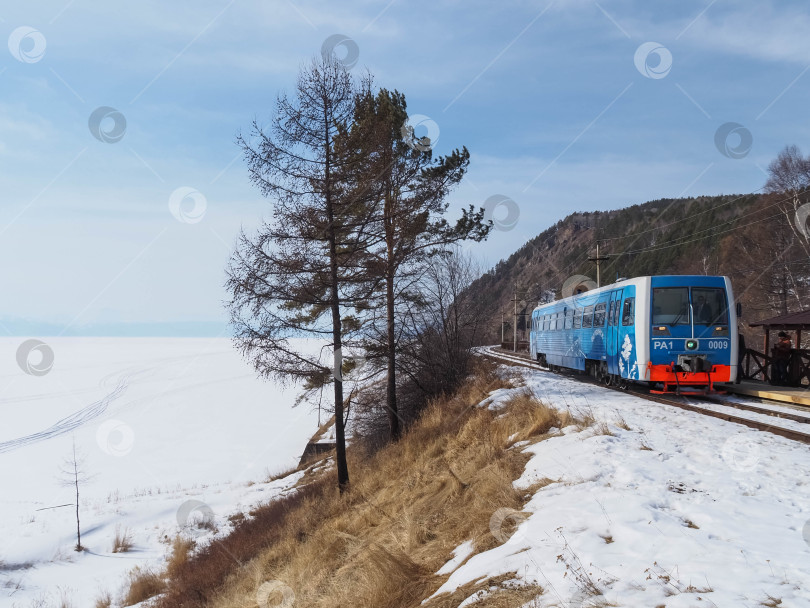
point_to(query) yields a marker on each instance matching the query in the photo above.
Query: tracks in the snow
(719, 404)
(69, 423)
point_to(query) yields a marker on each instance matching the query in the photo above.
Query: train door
(626, 329)
(612, 337)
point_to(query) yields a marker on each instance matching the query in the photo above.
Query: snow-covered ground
(160, 423)
(681, 510)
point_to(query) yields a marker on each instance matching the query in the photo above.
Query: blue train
(674, 333)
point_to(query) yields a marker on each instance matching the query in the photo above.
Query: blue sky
(546, 95)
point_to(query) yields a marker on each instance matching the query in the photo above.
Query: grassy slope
(379, 545)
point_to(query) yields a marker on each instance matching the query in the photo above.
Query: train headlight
(691, 344)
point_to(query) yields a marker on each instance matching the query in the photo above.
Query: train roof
(662, 278)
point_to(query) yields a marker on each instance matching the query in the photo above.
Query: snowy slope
(161, 422)
(681, 511)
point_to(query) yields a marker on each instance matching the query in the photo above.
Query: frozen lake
(159, 421)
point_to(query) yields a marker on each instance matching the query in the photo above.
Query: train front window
(709, 304)
(670, 306)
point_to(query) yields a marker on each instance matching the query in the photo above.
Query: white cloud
(755, 30)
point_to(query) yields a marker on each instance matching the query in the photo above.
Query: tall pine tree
(410, 187)
(303, 274)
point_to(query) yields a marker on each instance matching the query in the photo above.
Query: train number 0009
(711, 344)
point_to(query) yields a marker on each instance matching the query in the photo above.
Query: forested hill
(668, 236)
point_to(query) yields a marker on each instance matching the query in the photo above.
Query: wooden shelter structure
(758, 365)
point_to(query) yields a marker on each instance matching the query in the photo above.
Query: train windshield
(709, 304)
(670, 306)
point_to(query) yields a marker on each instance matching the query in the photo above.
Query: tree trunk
(340, 436)
(391, 392)
(78, 526)
(391, 346)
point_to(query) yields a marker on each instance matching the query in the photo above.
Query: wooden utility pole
(598, 261)
(525, 313)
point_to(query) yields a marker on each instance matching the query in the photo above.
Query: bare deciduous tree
(769, 250)
(442, 333)
(73, 474)
(789, 179)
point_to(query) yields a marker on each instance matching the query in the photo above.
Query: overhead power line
(627, 236)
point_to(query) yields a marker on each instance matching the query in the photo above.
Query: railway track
(685, 404)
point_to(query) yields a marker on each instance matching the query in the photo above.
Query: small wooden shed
(795, 321)
(800, 358)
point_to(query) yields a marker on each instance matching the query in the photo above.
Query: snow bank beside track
(681, 510)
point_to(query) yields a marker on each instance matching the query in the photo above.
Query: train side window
(629, 315)
(578, 318)
(545, 323)
(569, 318)
(587, 317)
(599, 315)
(611, 313)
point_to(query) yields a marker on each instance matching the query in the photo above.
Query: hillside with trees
(756, 239)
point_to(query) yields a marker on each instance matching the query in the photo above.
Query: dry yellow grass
(410, 504)
(143, 584)
(104, 600)
(122, 543)
(180, 554)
